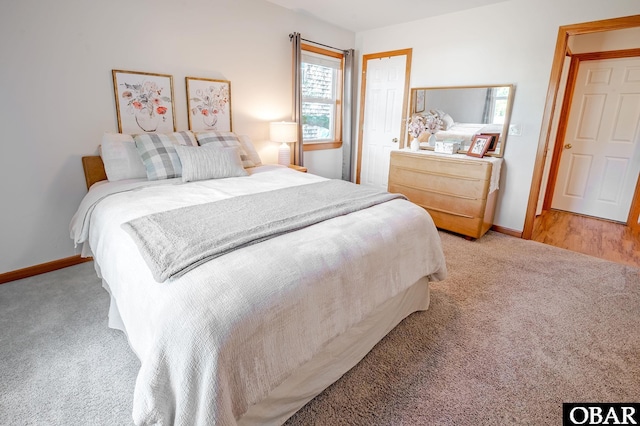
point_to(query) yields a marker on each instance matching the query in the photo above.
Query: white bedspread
(216, 340)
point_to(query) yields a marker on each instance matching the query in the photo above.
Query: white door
(384, 98)
(600, 161)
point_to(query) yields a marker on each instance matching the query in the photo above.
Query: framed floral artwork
(479, 145)
(209, 104)
(144, 102)
(420, 100)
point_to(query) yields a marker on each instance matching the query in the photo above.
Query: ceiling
(362, 15)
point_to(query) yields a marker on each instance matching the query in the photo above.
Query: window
(321, 80)
(501, 97)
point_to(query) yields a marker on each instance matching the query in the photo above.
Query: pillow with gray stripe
(209, 162)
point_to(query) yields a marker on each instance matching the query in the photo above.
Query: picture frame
(208, 104)
(144, 102)
(479, 145)
(494, 142)
(420, 101)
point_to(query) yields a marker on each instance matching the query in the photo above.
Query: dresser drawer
(441, 165)
(462, 206)
(446, 184)
(472, 227)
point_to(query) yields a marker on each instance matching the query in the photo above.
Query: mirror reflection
(464, 112)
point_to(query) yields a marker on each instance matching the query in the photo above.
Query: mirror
(465, 111)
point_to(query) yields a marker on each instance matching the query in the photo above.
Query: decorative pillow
(158, 153)
(120, 157)
(209, 162)
(447, 121)
(225, 140)
(246, 143)
(184, 138)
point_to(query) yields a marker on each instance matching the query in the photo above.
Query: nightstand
(298, 168)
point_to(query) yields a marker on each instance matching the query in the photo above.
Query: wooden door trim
(363, 88)
(560, 133)
(634, 210)
(552, 93)
(610, 54)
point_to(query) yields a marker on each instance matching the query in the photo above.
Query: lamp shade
(283, 131)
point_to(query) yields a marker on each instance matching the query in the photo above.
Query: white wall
(509, 42)
(57, 94)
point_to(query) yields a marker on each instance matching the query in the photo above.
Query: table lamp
(284, 132)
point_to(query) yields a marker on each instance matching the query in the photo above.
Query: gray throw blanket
(176, 241)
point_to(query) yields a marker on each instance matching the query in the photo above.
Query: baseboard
(507, 231)
(42, 268)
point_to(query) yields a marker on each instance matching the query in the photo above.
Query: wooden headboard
(93, 170)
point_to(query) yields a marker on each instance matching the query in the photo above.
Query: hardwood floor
(596, 237)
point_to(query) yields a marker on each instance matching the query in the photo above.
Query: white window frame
(335, 140)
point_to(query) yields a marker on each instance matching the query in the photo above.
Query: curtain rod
(319, 44)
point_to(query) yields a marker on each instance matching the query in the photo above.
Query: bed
(466, 131)
(251, 335)
(450, 130)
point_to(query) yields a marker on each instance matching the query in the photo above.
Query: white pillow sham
(447, 121)
(210, 162)
(120, 157)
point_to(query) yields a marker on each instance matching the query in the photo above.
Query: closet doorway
(384, 94)
(554, 110)
(596, 159)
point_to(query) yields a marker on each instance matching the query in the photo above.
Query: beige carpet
(518, 328)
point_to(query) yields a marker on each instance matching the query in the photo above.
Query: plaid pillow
(158, 153)
(225, 140)
(253, 155)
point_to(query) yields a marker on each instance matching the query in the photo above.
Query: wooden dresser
(456, 190)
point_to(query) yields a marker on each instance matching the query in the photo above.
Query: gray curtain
(298, 154)
(489, 105)
(348, 114)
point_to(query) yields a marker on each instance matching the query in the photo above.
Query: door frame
(363, 91)
(576, 60)
(547, 119)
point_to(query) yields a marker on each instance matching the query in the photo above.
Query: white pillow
(210, 162)
(120, 157)
(253, 155)
(447, 121)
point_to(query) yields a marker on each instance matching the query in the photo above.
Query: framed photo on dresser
(494, 142)
(479, 145)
